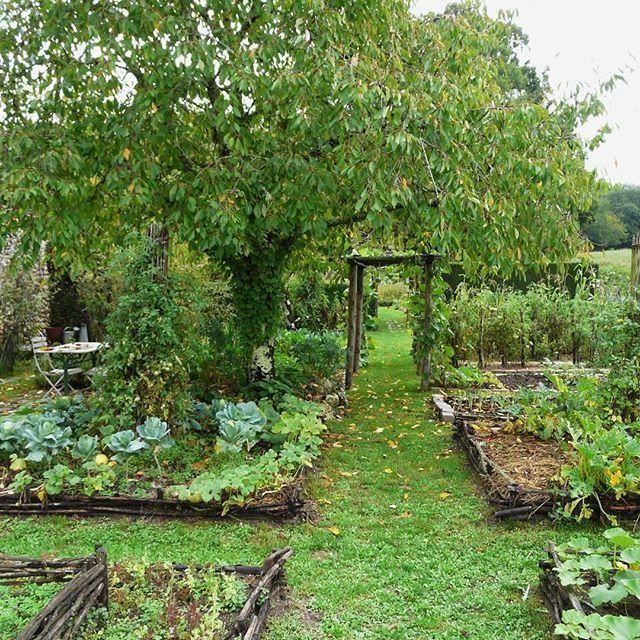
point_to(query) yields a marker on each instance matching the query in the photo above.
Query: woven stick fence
(87, 585)
(289, 503)
(558, 597)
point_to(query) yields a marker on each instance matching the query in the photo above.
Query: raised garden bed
(520, 473)
(61, 618)
(227, 602)
(286, 504)
(236, 460)
(591, 590)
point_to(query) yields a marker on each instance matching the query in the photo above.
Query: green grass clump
(403, 549)
(616, 260)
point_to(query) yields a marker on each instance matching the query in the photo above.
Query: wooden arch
(357, 265)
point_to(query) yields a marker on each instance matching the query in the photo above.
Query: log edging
(290, 507)
(557, 597)
(87, 585)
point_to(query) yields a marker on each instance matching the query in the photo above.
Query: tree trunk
(258, 293)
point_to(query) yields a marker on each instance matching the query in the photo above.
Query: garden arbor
(357, 265)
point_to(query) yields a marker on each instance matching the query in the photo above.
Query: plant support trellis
(357, 265)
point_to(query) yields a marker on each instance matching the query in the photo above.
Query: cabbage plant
(124, 444)
(240, 426)
(44, 439)
(155, 433)
(85, 447)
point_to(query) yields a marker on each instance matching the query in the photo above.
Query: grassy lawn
(618, 260)
(20, 386)
(402, 550)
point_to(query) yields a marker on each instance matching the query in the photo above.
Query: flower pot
(54, 334)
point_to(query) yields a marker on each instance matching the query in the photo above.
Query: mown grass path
(403, 550)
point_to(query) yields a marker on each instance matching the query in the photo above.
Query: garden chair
(44, 366)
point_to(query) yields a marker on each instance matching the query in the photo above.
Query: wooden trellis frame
(635, 266)
(357, 266)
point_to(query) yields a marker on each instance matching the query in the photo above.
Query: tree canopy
(615, 217)
(250, 128)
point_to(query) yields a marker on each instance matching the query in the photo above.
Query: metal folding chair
(53, 375)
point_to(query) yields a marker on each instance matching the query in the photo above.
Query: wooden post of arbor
(358, 323)
(635, 266)
(425, 365)
(351, 324)
(357, 265)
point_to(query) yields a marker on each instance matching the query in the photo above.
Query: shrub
(306, 356)
(392, 293)
(24, 300)
(315, 303)
(151, 344)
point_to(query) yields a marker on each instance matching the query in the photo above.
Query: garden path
(403, 549)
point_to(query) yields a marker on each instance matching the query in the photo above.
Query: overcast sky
(585, 41)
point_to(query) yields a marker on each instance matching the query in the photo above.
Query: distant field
(618, 260)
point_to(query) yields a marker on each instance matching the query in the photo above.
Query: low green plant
(604, 575)
(240, 426)
(44, 439)
(85, 447)
(125, 444)
(156, 435)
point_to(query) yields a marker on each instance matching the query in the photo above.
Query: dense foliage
(24, 297)
(151, 345)
(606, 576)
(615, 218)
(251, 128)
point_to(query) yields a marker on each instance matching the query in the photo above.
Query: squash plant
(607, 578)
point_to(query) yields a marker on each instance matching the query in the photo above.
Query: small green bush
(305, 356)
(391, 293)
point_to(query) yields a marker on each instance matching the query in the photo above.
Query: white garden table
(69, 352)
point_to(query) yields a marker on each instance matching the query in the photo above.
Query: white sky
(584, 42)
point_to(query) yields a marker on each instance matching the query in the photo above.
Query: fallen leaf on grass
(387, 470)
(335, 531)
(392, 444)
(406, 514)
(379, 430)
(443, 495)
(348, 474)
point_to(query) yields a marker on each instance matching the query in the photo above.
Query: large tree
(252, 127)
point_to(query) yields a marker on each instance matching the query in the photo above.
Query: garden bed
(62, 616)
(240, 460)
(590, 590)
(285, 504)
(224, 603)
(516, 470)
(520, 472)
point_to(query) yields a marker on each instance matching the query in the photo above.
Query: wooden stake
(357, 343)
(351, 329)
(425, 368)
(635, 267)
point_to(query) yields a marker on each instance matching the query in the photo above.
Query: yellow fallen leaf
(335, 531)
(444, 495)
(387, 470)
(392, 444)
(379, 430)
(406, 514)
(126, 154)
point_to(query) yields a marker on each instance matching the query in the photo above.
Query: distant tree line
(615, 218)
